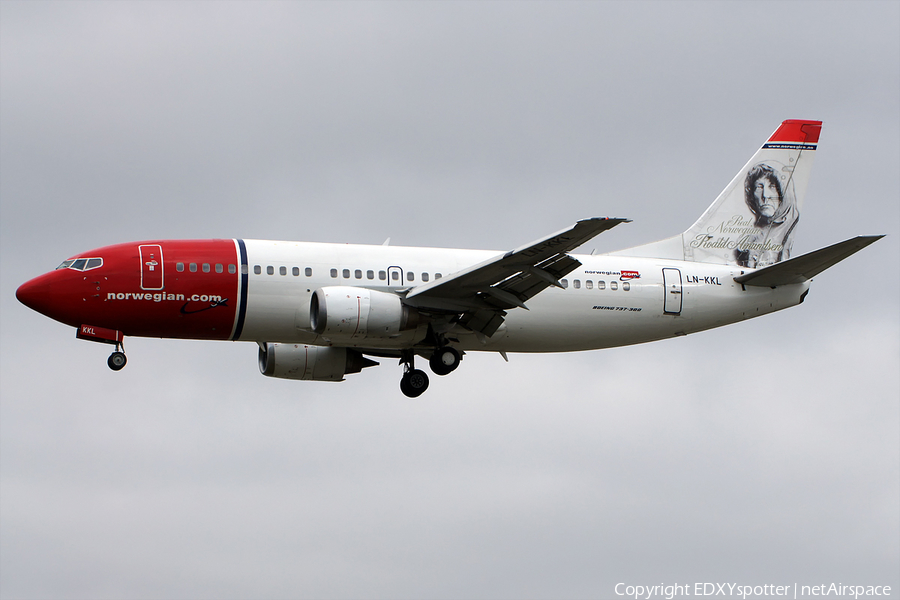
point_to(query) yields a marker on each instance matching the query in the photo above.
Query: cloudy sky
(766, 452)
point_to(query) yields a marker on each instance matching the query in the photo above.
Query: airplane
(322, 311)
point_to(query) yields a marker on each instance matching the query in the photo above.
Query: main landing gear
(444, 360)
(415, 381)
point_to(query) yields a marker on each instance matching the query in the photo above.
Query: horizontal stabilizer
(804, 268)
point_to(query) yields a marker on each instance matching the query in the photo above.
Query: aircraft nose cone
(48, 295)
(31, 292)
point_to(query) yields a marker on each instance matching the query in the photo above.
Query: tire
(116, 361)
(444, 360)
(414, 383)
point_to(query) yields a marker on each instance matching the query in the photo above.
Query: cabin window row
(270, 270)
(370, 274)
(205, 267)
(356, 273)
(395, 275)
(601, 285)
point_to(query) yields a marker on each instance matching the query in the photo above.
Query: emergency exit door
(395, 276)
(672, 286)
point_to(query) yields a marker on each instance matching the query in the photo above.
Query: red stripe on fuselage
(197, 305)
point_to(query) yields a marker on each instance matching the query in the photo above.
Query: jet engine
(317, 363)
(352, 313)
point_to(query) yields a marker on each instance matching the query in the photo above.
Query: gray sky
(764, 452)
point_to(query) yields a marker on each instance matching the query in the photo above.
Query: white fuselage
(608, 301)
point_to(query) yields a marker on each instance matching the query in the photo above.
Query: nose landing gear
(116, 360)
(93, 333)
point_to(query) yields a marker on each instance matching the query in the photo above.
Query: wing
(482, 293)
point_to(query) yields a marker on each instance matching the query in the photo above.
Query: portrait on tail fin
(769, 194)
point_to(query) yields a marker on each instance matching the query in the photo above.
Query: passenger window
(395, 275)
(282, 270)
(589, 284)
(295, 271)
(244, 269)
(232, 269)
(270, 270)
(357, 274)
(370, 274)
(409, 276)
(308, 271)
(576, 283)
(206, 267)
(193, 267)
(179, 267)
(424, 276)
(346, 273)
(613, 285)
(437, 275)
(382, 275)
(219, 268)
(601, 285)
(626, 286)
(565, 283)
(257, 269)
(334, 273)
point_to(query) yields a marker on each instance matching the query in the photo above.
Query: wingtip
(617, 219)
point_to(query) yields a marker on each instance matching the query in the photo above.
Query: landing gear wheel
(444, 360)
(414, 383)
(116, 361)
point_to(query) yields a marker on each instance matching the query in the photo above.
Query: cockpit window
(81, 264)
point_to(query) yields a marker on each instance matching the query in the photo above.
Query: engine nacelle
(352, 313)
(317, 363)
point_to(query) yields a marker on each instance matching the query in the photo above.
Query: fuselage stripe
(245, 280)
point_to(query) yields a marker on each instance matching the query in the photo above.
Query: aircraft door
(672, 287)
(395, 276)
(151, 267)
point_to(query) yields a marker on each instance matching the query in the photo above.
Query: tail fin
(753, 221)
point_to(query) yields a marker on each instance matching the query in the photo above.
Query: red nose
(47, 294)
(32, 292)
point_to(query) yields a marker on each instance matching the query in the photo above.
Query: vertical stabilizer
(753, 221)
